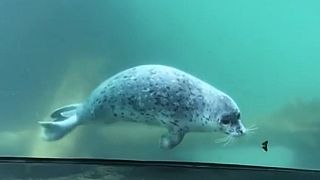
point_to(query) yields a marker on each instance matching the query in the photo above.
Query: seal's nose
(240, 131)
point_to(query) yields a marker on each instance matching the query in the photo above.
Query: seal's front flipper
(171, 139)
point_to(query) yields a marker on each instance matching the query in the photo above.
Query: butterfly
(264, 146)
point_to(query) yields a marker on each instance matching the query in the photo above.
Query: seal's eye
(238, 116)
(225, 121)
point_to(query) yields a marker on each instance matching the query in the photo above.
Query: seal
(156, 95)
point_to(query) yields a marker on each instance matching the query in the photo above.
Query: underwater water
(264, 54)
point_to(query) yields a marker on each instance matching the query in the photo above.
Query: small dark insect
(264, 146)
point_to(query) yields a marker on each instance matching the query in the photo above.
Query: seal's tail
(64, 120)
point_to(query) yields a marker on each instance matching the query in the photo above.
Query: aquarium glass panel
(233, 82)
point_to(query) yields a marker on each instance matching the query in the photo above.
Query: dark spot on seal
(115, 114)
(163, 122)
(175, 124)
(180, 130)
(164, 114)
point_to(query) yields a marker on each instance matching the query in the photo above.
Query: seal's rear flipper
(64, 120)
(55, 130)
(65, 112)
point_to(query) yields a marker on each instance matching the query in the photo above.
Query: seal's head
(231, 124)
(229, 118)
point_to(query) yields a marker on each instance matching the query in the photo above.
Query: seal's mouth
(236, 133)
(235, 130)
(231, 135)
(241, 130)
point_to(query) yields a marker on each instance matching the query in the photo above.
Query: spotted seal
(152, 94)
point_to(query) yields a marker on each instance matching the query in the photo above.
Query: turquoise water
(264, 54)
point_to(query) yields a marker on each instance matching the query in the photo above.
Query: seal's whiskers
(225, 140)
(230, 140)
(222, 140)
(251, 129)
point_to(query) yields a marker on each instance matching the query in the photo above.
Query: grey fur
(160, 95)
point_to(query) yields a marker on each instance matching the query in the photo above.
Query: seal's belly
(150, 94)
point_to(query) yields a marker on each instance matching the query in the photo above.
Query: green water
(264, 54)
